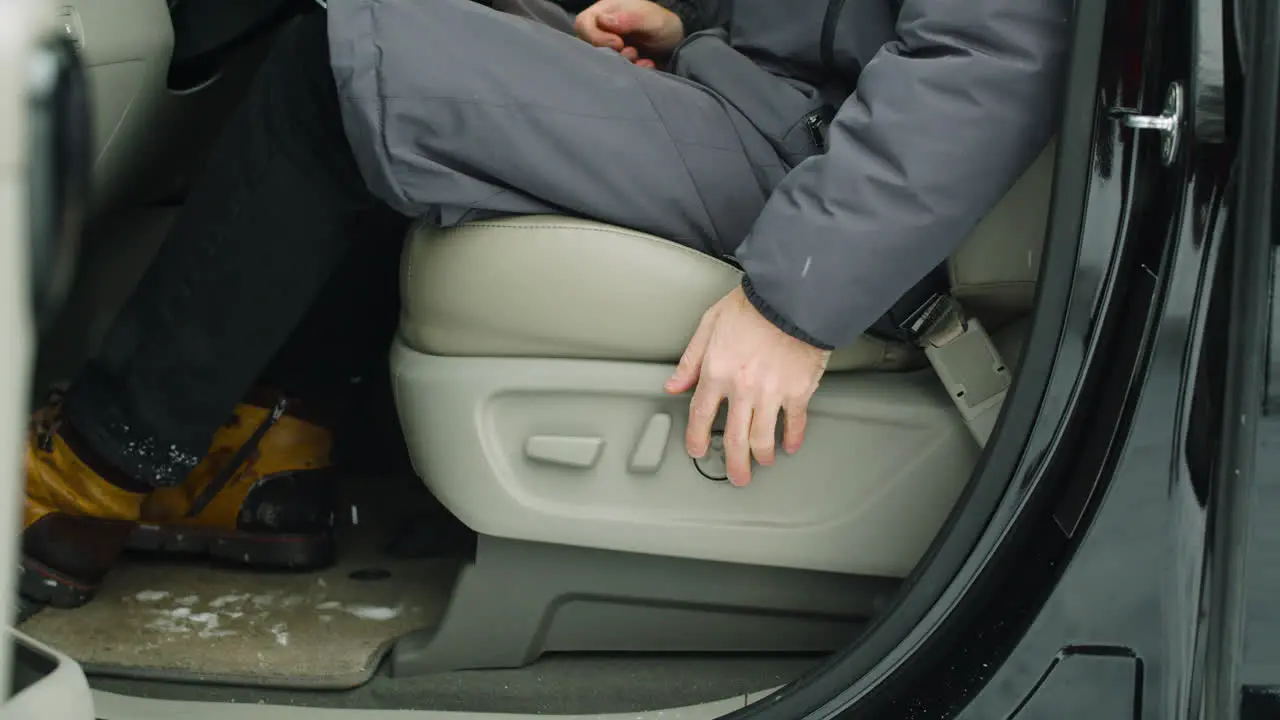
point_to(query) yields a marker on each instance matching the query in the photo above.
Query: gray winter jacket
(953, 101)
(902, 123)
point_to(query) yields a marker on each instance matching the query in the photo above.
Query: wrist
(779, 321)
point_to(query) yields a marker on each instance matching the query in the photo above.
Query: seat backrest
(995, 270)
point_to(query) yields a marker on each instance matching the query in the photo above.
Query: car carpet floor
(198, 623)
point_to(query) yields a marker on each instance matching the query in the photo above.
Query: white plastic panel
(21, 21)
(57, 690)
(146, 136)
(62, 693)
(126, 46)
(885, 458)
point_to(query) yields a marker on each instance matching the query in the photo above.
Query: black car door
(1246, 677)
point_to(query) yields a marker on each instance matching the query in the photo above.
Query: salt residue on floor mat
(197, 623)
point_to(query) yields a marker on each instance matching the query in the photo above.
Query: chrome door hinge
(1168, 123)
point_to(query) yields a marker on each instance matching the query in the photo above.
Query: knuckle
(718, 371)
(703, 411)
(798, 398)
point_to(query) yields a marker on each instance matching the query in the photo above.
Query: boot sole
(40, 585)
(254, 550)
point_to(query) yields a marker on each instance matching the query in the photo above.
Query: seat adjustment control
(564, 450)
(652, 447)
(713, 466)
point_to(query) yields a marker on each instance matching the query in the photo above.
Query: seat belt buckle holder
(965, 359)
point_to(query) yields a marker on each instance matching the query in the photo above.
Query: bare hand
(737, 354)
(638, 29)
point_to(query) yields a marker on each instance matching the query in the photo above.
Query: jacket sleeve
(689, 13)
(943, 122)
(699, 14)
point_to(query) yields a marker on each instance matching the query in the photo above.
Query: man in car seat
(837, 151)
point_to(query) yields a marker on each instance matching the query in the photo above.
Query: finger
(795, 418)
(587, 27)
(630, 53)
(702, 413)
(737, 440)
(690, 366)
(646, 64)
(764, 428)
(621, 23)
(608, 40)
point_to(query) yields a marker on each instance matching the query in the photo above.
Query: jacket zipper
(814, 122)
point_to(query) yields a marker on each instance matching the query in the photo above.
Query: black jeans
(281, 270)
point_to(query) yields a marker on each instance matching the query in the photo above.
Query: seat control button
(713, 465)
(652, 448)
(564, 450)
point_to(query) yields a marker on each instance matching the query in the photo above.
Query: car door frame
(18, 34)
(1251, 425)
(42, 182)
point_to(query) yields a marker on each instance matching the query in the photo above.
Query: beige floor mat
(196, 623)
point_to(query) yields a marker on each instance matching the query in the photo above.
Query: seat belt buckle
(965, 359)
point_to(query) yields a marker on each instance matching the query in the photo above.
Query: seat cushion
(550, 286)
(559, 287)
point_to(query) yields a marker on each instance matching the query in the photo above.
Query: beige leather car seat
(528, 374)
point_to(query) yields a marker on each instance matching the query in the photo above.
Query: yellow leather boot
(74, 523)
(262, 496)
